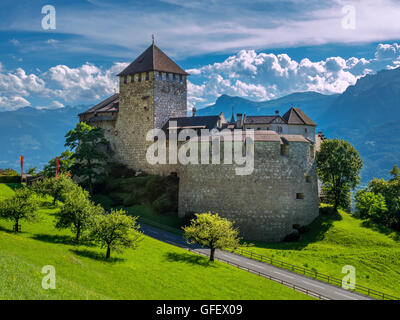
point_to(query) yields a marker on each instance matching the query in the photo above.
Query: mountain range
(367, 114)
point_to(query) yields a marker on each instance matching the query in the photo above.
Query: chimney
(277, 112)
(194, 112)
(239, 120)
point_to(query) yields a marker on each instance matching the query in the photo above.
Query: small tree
(212, 231)
(77, 212)
(21, 206)
(65, 162)
(371, 206)
(115, 231)
(32, 170)
(55, 187)
(88, 144)
(339, 166)
(390, 190)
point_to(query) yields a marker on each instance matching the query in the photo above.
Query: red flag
(21, 159)
(58, 165)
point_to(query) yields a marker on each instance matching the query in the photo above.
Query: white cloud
(86, 83)
(256, 76)
(13, 103)
(15, 42)
(53, 105)
(262, 76)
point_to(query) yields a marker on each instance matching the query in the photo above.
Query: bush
(164, 205)
(372, 206)
(8, 172)
(134, 198)
(10, 179)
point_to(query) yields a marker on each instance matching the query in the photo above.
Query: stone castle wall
(265, 204)
(170, 98)
(145, 105)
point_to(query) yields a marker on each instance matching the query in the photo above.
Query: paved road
(327, 290)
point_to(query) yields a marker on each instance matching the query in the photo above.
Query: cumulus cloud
(13, 103)
(53, 105)
(86, 83)
(265, 76)
(256, 76)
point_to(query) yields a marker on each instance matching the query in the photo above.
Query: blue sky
(256, 49)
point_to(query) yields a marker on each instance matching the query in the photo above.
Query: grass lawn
(337, 240)
(153, 271)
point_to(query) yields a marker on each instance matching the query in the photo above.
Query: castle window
(125, 79)
(285, 150)
(147, 76)
(173, 77)
(180, 78)
(167, 76)
(299, 196)
(132, 78)
(305, 130)
(308, 179)
(139, 77)
(160, 75)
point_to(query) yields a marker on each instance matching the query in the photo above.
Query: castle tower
(152, 89)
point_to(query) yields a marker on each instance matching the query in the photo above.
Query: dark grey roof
(297, 116)
(111, 104)
(152, 59)
(259, 119)
(201, 122)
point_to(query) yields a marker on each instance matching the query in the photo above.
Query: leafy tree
(65, 161)
(77, 212)
(89, 146)
(8, 172)
(115, 231)
(55, 187)
(32, 170)
(371, 206)
(339, 166)
(21, 206)
(390, 190)
(212, 231)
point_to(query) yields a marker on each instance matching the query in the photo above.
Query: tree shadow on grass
(63, 239)
(96, 255)
(189, 258)
(10, 231)
(395, 235)
(14, 186)
(316, 232)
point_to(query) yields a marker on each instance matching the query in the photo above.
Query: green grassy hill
(336, 240)
(154, 271)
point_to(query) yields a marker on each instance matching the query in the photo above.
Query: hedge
(10, 179)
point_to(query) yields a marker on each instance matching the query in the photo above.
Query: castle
(281, 191)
